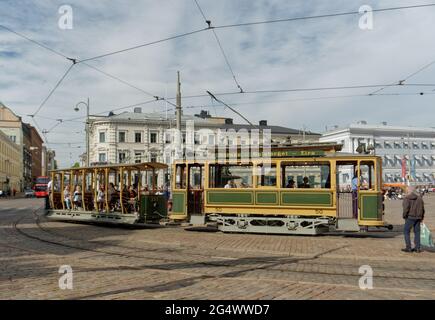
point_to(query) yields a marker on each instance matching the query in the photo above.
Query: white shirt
(227, 186)
(49, 184)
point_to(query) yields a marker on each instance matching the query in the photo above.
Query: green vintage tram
(121, 194)
(301, 189)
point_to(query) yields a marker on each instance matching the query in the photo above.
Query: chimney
(263, 122)
(138, 110)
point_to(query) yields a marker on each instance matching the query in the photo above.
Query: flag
(403, 167)
(413, 168)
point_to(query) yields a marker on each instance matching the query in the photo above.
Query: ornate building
(409, 148)
(140, 137)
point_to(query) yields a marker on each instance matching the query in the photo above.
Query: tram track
(270, 265)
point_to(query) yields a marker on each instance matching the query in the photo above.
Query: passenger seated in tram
(305, 183)
(290, 184)
(112, 195)
(244, 185)
(230, 184)
(125, 198)
(132, 199)
(67, 197)
(77, 200)
(101, 197)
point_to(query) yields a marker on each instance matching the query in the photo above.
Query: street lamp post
(86, 129)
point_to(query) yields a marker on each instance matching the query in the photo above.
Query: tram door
(347, 206)
(196, 178)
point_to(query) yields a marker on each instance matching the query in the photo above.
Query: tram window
(232, 176)
(266, 176)
(180, 176)
(367, 175)
(306, 175)
(196, 177)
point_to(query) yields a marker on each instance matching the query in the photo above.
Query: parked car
(29, 193)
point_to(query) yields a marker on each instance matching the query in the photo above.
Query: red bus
(40, 186)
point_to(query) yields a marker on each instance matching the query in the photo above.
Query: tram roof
(138, 166)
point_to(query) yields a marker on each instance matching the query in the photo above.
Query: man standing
(48, 196)
(413, 213)
(354, 189)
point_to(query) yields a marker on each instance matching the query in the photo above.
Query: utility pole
(76, 108)
(87, 134)
(178, 108)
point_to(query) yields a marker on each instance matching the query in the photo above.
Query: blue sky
(302, 54)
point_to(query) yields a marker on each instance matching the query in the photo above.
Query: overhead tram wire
(143, 45)
(251, 24)
(302, 90)
(111, 110)
(402, 82)
(34, 42)
(53, 90)
(156, 97)
(331, 15)
(51, 50)
(74, 62)
(208, 22)
(229, 107)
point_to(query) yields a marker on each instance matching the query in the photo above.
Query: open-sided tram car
(149, 205)
(278, 200)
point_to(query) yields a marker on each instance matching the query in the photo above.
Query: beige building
(10, 164)
(28, 140)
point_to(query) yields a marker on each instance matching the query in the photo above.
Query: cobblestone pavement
(172, 263)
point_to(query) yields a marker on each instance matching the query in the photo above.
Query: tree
(76, 165)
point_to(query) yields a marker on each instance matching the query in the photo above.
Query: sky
(313, 53)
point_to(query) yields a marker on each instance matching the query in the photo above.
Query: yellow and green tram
(121, 194)
(296, 191)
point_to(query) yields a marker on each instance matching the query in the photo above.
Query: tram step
(347, 225)
(197, 219)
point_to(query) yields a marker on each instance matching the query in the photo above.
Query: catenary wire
(251, 24)
(53, 90)
(220, 47)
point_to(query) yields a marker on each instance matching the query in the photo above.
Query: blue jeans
(415, 224)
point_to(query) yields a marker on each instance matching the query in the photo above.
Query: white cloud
(309, 53)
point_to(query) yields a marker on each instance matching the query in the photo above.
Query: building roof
(209, 122)
(382, 129)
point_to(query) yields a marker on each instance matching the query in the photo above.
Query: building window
(153, 157)
(121, 157)
(102, 137)
(138, 157)
(266, 176)
(211, 139)
(102, 157)
(234, 176)
(153, 137)
(13, 138)
(387, 145)
(137, 137)
(121, 136)
(168, 137)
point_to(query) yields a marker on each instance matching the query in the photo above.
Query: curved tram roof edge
(136, 166)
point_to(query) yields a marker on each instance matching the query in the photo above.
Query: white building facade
(409, 150)
(134, 137)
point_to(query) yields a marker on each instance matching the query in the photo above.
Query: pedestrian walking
(48, 195)
(413, 213)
